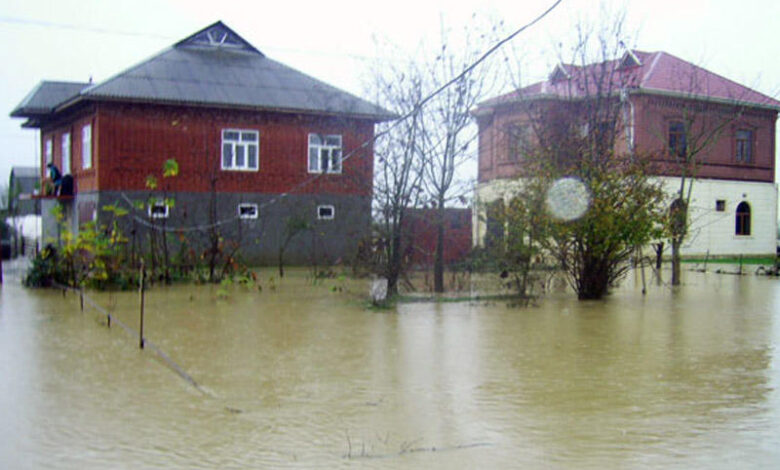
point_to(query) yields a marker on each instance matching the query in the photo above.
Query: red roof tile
(658, 72)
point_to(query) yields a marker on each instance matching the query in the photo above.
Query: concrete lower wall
(711, 231)
(258, 239)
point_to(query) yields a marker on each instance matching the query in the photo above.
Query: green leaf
(170, 168)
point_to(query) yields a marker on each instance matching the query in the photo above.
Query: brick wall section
(134, 140)
(652, 115)
(420, 227)
(73, 123)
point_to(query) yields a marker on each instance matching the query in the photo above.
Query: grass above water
(756, 260)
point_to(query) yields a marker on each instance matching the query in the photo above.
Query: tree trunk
(676, 243)
(438, 261)
(659, 253)
(394, 265)
(593, 283)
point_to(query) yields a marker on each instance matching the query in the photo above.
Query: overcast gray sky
(334, 40)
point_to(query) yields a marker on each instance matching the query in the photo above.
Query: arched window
(743, 219)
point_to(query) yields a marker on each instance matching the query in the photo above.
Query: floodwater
(305, 376)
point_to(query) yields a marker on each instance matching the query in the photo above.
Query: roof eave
(711, 99)
(537, 97)
(375, 117)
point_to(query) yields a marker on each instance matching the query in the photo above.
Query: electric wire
(369, 142)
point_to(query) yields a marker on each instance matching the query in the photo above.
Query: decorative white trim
(634, 60)
(65, 157)
(86, 147)
(48, 151)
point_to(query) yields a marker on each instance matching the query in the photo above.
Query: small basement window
(327, 212)
(720, 205)
(158, 210)
(247, 211)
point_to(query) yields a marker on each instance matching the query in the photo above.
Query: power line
(366, 143)
(73, 27)
(92, 29)
(418, 107)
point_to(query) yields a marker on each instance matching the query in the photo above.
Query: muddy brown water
(302, 376)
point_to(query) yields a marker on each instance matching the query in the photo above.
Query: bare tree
(687, 139)
(399, 164)
(448, 131)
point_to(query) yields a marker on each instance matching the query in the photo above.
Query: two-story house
(669, 109)
(257, 144)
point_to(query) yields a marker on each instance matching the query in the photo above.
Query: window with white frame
(326, 212)
(48, 151)
(240, 149)
(324, 153)
(744, 145)
(247, 211)
(66, 153)
(86, 146)
(158, 210)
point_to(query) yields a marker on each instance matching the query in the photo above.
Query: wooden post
(141, 291)
(740, 264)
(81, 298)
(642, 267)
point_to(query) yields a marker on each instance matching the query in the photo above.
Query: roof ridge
(656, 57)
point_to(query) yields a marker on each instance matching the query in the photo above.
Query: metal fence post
(141, 290)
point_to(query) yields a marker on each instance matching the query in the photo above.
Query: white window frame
(86, 147)
(332, 215)
(247, 205)
(245, 145)
(743, 145)
(320, 150)
(156, 215)
(48, 150)
(65, 153)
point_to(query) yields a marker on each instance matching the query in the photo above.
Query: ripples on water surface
(303, 377)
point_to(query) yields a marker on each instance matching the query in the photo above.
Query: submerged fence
(143, 342)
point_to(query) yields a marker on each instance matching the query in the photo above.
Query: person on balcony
(56, 177)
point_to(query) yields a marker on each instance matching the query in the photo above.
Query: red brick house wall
(131, 142)
(652, 115)
(72, 123)
(420, 226)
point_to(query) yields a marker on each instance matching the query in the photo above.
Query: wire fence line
(166, 359)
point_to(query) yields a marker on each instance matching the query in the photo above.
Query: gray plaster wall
(49, 228)
(81, 208)
(258, 240)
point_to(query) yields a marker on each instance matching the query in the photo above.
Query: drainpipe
(628, 118)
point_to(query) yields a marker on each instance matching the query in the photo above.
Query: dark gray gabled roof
(216, 67)
(45, 97)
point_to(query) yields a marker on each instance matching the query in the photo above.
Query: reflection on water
(300, 376)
